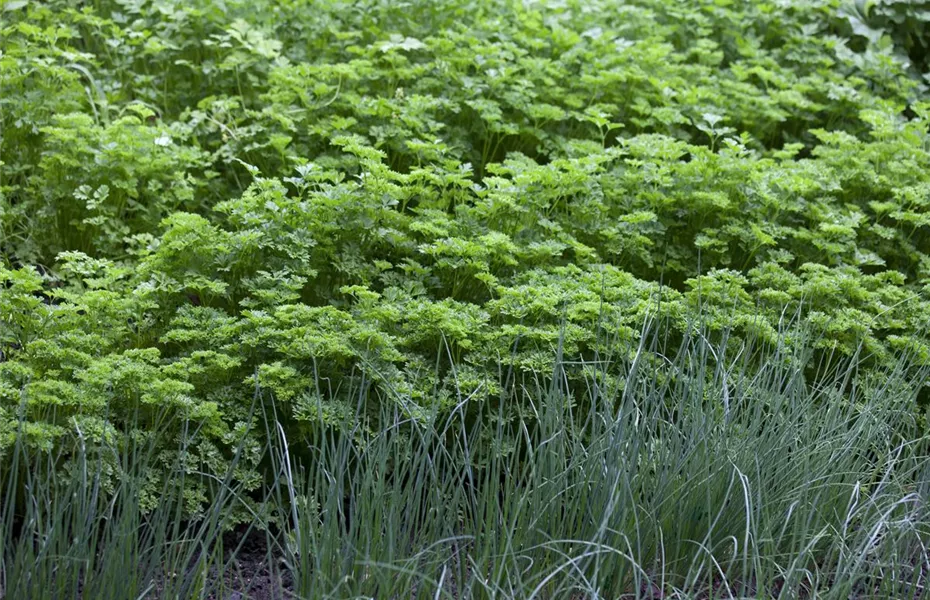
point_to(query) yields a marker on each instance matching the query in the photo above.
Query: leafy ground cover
(591, 297)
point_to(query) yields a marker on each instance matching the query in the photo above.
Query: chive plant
(689, 479)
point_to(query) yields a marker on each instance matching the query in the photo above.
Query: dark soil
(252, 571)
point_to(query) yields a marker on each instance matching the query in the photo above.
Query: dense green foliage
(901, 23)
(526, 298)
(721, 483)
(340, 201)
